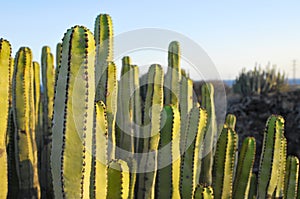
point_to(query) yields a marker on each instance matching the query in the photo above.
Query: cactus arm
(230, 121)
(132, 165)
(23, 108)
(104, 44)
(73, 115)
(48, 80)
(137, 106)
(168, 175)
(125, 110)
(152, 110)
(173, 75)
(37, 91)
(291, 176)
(269, 162)
(58, 59)
(118, 180)
(203, 192)
(253, 187)
(282, 169)
(100, 153)
(210, 133)
(5, 53)
(242, 179)
(185, 105)
(190, 161)
(224, 163)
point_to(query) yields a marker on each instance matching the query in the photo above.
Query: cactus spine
(23, 109)
(291, 176)
(243, 174)
(73, 115)
(5, 53)
(168, 175)
(203, 192)
(224, 163)
(210, 133)
(190, 164)
(270, 159)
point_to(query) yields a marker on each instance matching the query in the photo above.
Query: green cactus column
(230, 121)
(23, 110)
(282, 169)
(185, 105)
(152, 111)
(224, 163)
(37, 90)
(210, 134)
(291, 178)
(58, 59)
(5, 53)
(203, 192)
(118, 180)
(124, 118)
(270, 158)
(253, 187)
(98, 186)
(73, 115)
(241, 185)
(190, 163)
(173, 75)
(104, 45)
(48, 80)
(168, 174)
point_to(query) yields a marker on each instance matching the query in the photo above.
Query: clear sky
(235, 34)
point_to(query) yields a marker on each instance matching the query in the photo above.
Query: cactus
(173, 76)
(48, 79)
(185, 105)
(118, 179)
(168, 173)
(241, 185)
(291, 177)
(23, 110)
(270, 158)
(230, 121)
(98, 187)
(203, 192)
(37, 91)
(124, 119)
(58, 59)
(104, 45)
(5, 53)
(224, 163)
(209, 135)
(153, 107)
(282, 169)
(73, 115)
(190, 163)
(253, 187)
(259, 81)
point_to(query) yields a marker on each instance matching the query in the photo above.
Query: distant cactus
(259, 81)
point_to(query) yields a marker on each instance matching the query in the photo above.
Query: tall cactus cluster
(79, 132)
(259, 81)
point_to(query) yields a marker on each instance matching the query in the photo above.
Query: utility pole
(294, 72)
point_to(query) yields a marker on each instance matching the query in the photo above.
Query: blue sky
(234, 34)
